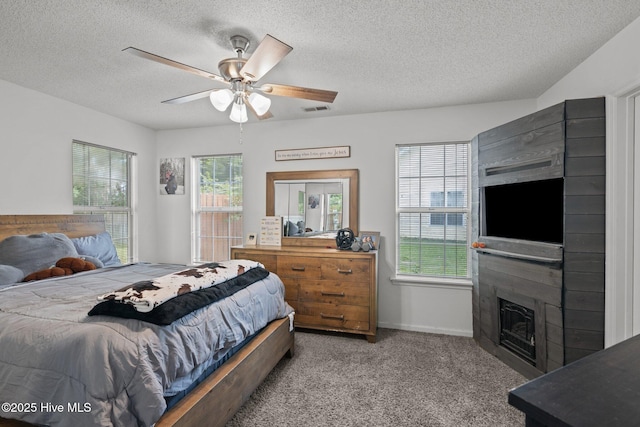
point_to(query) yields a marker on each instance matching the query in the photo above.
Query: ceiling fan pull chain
(241, 130)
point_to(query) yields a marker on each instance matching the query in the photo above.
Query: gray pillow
(99, 246)
(10, 274)
(36, 251)
(292, 229)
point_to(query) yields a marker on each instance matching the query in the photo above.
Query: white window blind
(432, 209)
(217, 207)
(102, 185)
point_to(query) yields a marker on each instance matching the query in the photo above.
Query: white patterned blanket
(146, 295)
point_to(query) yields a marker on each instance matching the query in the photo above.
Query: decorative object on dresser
(371, 238)
(251, 240)
(271, 230)
(539, 215)
(345, 239)
(329, 289)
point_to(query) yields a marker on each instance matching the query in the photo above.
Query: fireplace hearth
(517, 330)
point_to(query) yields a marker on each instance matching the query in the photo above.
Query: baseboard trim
(427, 329)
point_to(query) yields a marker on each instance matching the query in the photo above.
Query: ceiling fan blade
(189, 98)
(299, 92)
(175, 64)
(269, 52)
(265, 116)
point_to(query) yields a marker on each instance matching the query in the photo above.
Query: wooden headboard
(71, 225)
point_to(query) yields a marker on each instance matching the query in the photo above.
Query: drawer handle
(297, 268)
(332, 316)
(349, 271)
(332, 294)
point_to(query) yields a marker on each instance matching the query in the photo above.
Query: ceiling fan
(240, 75)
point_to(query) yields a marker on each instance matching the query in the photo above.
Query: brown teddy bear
(64, 267)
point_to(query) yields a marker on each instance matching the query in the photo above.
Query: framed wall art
(172, 176)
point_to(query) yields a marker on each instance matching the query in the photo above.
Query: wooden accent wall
(527, 149)
(584, 238)
(564, 284)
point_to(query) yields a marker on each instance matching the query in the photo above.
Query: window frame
(129, 209)
(446, 211)
(196, 209)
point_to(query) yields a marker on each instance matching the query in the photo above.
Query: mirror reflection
(312, 207)
(313, 204)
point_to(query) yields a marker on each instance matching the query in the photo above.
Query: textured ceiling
(379, 55)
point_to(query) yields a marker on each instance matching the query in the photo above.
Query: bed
(213, 401)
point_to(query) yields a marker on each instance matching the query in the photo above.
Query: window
(432, 210)
(102, 185)
(454, 199)
(217, 207)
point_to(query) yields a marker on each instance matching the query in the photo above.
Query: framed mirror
(314, 205)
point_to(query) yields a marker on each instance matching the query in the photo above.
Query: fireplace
(517, 330)
(538, 208)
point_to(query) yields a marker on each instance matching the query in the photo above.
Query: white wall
(614, 71)
(36, 133)
(612, 67)
(372, 138)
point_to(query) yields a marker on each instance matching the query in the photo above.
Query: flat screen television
(527, 211)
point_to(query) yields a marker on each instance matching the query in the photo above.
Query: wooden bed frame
(214, 401)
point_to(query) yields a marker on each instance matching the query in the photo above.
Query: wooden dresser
(329, 289)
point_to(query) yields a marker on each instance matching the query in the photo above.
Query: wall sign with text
(314, 153)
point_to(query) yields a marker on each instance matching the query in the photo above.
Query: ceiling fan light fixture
(221, 99)
(240, 74)
(239, 112)
(260, 104)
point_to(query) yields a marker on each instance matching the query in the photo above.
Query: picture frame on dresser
(372, 237)
(251, 239)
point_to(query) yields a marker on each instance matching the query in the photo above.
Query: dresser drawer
(302, 267)
(337, 316)
(291, 287)
(347, 269)
(335, 292)
(329, 289)
(269, 261)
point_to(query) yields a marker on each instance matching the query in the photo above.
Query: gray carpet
(405, 379)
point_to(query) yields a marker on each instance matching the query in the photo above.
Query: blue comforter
(59, 366)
